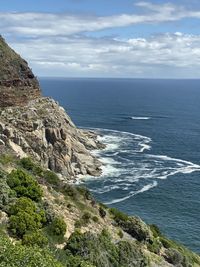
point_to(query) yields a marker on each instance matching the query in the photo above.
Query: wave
(127, 167)
(140, 118)
(131, 194)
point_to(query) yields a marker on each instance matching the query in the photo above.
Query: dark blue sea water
(152, 159)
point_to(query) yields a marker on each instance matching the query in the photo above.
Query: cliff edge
(31, 125)
(17, 82)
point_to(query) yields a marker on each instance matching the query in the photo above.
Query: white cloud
(46, 24)
(167, 55)
(56, 44)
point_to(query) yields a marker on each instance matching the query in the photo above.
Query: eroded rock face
(44, 131)
(18, 84)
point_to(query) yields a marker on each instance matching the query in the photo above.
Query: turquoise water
(152, 160)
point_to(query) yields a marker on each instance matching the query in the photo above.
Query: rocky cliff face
(17, 82)
(38, 127)
(45, 132)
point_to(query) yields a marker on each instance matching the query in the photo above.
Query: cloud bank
(61, 44)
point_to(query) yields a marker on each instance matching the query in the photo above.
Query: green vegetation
(29, 165)
(24, 185)
(51, 178)
(35, 226)
(100, 251)
(58, 226)
(17, 255)
(25, 217)
(36, 238)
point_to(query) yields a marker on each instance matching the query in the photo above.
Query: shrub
(120, 233)
(85, 192)
(78, 224)
(173, 256)
(6, 159)
(58, 227)
(35, 238)
(51, 178)
(155, 246)
(102, 212)
(16, 255)
(135, 227)
(131, 255)
(155, 230)
(95, 219)
(119, 216)
(25, 217)
(29, 165)
(86, 217)
(24, 185)
(70, 191)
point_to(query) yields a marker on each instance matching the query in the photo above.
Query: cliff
(31, 125)
(17, 82)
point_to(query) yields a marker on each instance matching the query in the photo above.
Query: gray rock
(44, 131)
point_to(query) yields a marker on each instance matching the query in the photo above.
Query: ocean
(152, 159)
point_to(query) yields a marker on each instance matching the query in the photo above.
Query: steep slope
(34, 126)
(17, 82)
(71, 228)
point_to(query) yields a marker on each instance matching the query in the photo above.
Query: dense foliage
(24, 217)
(24, 185)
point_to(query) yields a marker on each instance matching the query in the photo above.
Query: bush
(34, 239)
(119, 216)
(120, 233)
(29, 165)
(70, 191)
(155, 230)
(102, 212)
(84, 192)
(86, 217)
(51, 178)
(173, 256)
(16, 255)
(24, 185)
(95, 219)
(58, 227)
(25, 217)
(134, 226)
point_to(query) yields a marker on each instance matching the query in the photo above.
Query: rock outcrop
(44, 131)
(31, 125)
(18, 84)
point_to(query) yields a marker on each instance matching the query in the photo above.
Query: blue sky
(115, 38)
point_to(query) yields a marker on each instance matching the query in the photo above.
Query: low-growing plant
(24, 185)
(51, 178)
(36, 238)
(95, 219)
(102, 212)
(118, 216)
(24, 217)
(29, 165)
(58, 226)
(120, 233)
(86, 217)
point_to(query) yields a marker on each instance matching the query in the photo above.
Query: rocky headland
(31, 125)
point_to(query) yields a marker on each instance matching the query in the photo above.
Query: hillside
(46, 220)
(17, 82)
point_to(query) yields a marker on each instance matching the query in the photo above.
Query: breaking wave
(140, 118)
(128, 167)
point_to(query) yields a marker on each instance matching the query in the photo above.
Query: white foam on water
(131, 194)
(140, 118)
(126, 166)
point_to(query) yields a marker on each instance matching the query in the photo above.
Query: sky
(105, 38)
